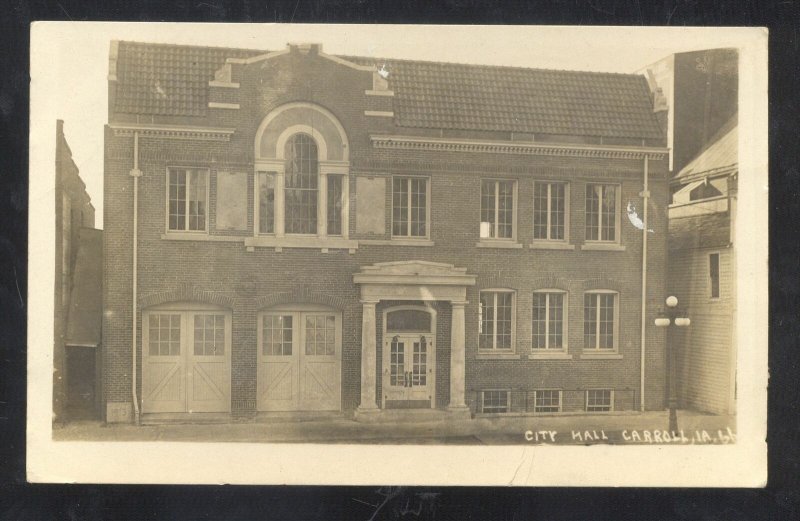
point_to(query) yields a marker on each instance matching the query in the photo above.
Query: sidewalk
(577, 429)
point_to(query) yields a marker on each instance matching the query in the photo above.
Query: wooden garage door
(186, 360)
(299, 366)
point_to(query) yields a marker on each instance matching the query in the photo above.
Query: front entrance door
(299, 360)
(186, 360)
(408, 371)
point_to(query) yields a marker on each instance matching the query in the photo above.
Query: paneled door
(186, 360)
(409, 370)
(299, 366)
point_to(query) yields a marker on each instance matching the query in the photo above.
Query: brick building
(78, 293)
(295, 231)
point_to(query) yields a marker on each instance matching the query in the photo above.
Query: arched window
(301, 184)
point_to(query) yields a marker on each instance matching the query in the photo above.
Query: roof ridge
(488, 65)
(190, 46)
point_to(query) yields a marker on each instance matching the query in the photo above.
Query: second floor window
(601, 213)
(188, 199)
(409, 207)
(549, 211)
(496, 319)
(301, 185)
(497, 209)
(335, 202)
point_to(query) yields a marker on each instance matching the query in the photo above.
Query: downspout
(645, 203)
(136, 174)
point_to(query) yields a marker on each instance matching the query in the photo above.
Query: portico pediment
(414, 272)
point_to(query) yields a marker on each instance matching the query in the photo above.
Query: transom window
(599, 400)
(187, 199)
(548, 320)
(495, 401)
(602, 219)
(497, 209)
(547, 400)
(600, 321)
(301, 184)
(410, 206)
(550, 211)
(496, 320)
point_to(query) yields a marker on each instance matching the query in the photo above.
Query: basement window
(495, 401)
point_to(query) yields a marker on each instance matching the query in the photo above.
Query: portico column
(457, 358)
(368, 358)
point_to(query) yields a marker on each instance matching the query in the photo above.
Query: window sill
(551, 245)
(600, 356)
(322, 243)
(497, 356)
(486, 243)
(199, 236)
(397, 242)
(558, 355)
(601, 246)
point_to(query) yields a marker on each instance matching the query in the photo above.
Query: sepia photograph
(313, 239)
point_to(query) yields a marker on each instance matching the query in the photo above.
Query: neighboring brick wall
(250, 280)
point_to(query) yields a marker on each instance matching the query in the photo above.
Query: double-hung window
(549, 318)
(600, 321)
(410, 207)
(550, 211)
(187, 199)
(599, 400)
(547, 400)
(602, 212)
(496, 320)
(498, 216)
(301, 185)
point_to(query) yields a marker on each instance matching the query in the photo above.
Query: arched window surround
(332, 202)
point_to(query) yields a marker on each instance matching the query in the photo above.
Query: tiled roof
(699, 231)
(168, 79)
(172, 79)
(720, 155)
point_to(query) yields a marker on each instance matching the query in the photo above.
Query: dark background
(780, 500)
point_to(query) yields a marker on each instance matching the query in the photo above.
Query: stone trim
(219, 105)
(300, 296)
(509, 147)
(379, 113)
(185, 292)
(168, 132)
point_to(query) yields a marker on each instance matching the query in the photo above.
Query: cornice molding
(513, 147)
(170, 132)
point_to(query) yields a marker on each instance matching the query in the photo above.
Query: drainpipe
(136, 174)
(645, 203)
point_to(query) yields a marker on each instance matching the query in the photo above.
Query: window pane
(266, 202)
(557, 210)
(609, 213)
(164, 335)
(197, 199)
(400, 186)
(590, 321)
(503, 325)
(540, 211)
(555, 337)
(505, 211)
(593, 196)
(335, 204)
(301, 185)
(177, 199)
(547, 401)
(487, 321)
(606, 321)
(408, 320)
(209, 338)
(713, 261)
(488, 199)
(397, 363)
(495, 401)
(598, 400)
(419, 366)
(277, 335)
(419, 197)
(539, 320)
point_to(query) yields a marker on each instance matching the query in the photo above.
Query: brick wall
(247, 278)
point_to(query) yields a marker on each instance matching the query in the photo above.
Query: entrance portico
(412, 281)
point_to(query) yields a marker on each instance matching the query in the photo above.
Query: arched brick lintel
(185, 293)
(300, 296)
